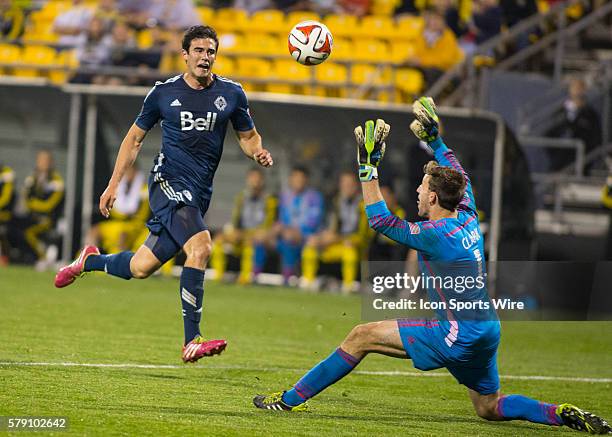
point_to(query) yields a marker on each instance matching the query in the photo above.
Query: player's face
(201, 57)
(255, 181)
(298, 181)
(424, 200)
(348, 185)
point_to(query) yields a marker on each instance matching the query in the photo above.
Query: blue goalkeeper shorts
(470, 358)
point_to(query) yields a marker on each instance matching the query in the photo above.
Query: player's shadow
(160, 376)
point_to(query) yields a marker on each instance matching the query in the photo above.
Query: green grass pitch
(274, 335)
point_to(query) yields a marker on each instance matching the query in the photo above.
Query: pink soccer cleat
(198, 348)
(68, 274)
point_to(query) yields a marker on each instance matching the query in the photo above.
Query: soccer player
(252, 219)
(193, 109)
(44, 193)
(467, 348)
(343, 240)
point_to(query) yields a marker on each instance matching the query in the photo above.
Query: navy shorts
(431, 345)
(176, 218)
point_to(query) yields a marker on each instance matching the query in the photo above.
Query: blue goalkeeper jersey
(447, 248)
(193, 123)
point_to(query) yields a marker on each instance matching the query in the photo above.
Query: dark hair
(447, 183)
(302, 169)
(195, 32)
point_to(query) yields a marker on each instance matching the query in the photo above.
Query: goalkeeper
(467, 349)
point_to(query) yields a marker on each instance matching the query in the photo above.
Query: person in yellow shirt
(436, 49)
(11, 20)
(344, 239)
(43, 193)
(253, 215)
(7, 200)
(606, 199)
(128, 216)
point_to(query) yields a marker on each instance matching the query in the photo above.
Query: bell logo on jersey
(201, 124)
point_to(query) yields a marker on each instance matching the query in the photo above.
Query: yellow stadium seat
(408, 27)
(262, 44)
(9, 53)
(224, 66)
(362, 74)
(253, 68)
(231, 43)
(268, 21)
(374, 26)
(384, 7)
(409, 82)
(52, 9)
(298, 77)
(296, 17)
(35, 56)
(231, 20)
(66, 59)
(40, 32)
(332, 79)
(144, 39)
(341, 25)
(342, 50)
(207, 15)
(373, 50)
(401, 51)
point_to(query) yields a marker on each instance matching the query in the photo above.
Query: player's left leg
(377, 337)
(495, 406)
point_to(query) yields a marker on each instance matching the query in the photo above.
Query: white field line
(280, 369)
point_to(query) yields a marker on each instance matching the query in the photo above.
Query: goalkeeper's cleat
(68, 274)
(198, 348)
(274, 401)
(580, 420)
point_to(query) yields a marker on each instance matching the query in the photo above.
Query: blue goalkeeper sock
(117, 264)
(327, 372)
(521, 407)
(192, 295)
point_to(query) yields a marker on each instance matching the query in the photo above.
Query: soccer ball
(310, 42)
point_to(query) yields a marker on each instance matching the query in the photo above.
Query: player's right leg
(378, 337)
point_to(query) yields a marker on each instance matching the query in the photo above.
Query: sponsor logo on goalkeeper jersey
(188, 122)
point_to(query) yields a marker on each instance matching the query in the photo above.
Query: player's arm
(250, 143)
(426, 128)
(370, 151)
(128, 152)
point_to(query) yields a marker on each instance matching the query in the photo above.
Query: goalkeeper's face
(201, 57)
(426, 197)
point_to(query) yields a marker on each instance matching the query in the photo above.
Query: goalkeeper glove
(426, 126)
(371, 148)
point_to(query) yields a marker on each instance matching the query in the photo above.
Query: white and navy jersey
(193, 123)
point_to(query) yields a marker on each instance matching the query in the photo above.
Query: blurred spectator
(252, 219)
(292, 5)
(486, 19)
(72, 23)
(7, 200)
(300, 216)
(107, 12)
(579, 120)
(407, 7)
(43, 194)
(135, 12)
(383, 248)
(606, 198)
(358, 8)
(252, 5)
(436, 48)
(93, 51)
(174, 15)
(448, 9)
(11, 20)
(128, 216)
(343, 240)
(517, 10)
